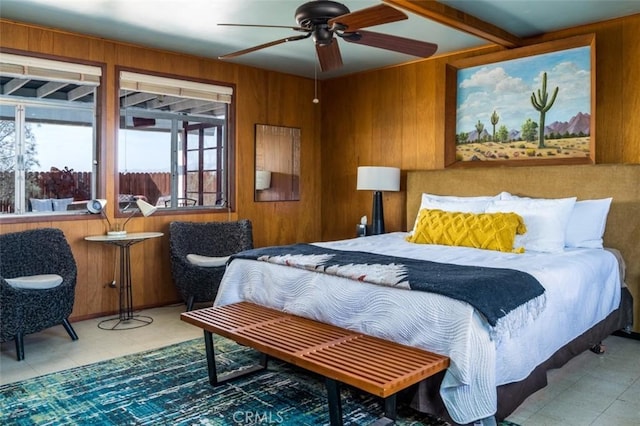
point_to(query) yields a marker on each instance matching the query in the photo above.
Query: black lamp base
(377, 226)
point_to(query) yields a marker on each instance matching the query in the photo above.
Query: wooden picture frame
(495, 104)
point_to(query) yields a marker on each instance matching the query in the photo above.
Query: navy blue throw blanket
(492, 291)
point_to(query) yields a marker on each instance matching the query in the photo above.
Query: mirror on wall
(277, 172)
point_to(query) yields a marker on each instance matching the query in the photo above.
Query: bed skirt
(427, 397)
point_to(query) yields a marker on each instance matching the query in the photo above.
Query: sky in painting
(506, 87)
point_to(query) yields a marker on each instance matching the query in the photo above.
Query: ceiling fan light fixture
(322, 35)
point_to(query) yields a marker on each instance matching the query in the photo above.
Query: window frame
(98, 169)
(219, 149)
(229, 148)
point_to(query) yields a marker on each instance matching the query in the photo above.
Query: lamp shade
(375, 178)
(145, 208)
(263, 180)
(96, 206)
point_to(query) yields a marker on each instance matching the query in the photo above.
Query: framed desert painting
(526, 106)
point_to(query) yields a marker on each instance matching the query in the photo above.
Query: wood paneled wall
(261, 97)
(395, 117)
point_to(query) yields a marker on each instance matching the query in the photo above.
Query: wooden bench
(377, 366)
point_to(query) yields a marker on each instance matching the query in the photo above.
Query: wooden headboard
(620, 181)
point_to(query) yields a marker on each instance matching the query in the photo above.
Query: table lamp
(97, 207)
(145, 208)
(378, 179)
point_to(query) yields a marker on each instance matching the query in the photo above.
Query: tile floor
(589, 390)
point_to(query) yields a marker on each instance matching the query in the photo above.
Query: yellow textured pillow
(489, 231)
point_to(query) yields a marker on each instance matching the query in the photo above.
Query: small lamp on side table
(378, 179)
(145, 208)
(117, 230)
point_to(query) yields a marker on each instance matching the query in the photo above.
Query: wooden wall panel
(631, 97)
(609, 95)
(363, 124)
(261, 97)
(14, 36)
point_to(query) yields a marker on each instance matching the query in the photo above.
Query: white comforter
(582, 288)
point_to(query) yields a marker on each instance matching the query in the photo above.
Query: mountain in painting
(580, 123)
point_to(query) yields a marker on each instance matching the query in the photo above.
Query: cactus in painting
(479, 130)
(494, 120)
(542, 104)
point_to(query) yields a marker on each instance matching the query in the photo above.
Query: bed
(494, 367)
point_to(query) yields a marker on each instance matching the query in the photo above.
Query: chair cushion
(35, 282)
(61, 204)
(207, 261)
(41, 205)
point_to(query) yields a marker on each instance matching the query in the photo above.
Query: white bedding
(582, 288)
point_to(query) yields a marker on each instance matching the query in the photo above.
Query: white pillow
(546, 221)
(35, 282)
(469, 206)
(433, 197)
(207, 261)
(587, 223)
(504, 195)
(452, 203)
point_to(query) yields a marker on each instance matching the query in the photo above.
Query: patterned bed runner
(494, 292)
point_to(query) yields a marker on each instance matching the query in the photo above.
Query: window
(47, 135)
(173, 145)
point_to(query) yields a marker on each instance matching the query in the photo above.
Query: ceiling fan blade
(408, 46)
(263, 46)
(265, 26)
(367, 17)
(329, 56)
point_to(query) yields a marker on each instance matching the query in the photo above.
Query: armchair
(209, 243)
(37, 284)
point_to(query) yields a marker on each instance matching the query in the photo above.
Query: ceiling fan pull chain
(315, 84)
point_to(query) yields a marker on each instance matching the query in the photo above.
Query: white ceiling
(190, 26)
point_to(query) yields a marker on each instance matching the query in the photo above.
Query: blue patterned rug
(169, 386)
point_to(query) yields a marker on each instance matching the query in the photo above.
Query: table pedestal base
(136, 321)
(125, 319)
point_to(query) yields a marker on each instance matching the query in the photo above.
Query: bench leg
(214, 380)
(389, 412)
(211, 358)
(335, 405)
(390, 409)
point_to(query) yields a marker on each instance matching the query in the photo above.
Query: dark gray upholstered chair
(29, 310)
(198, 284)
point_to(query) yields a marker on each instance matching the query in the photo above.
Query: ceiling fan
(323, 19)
